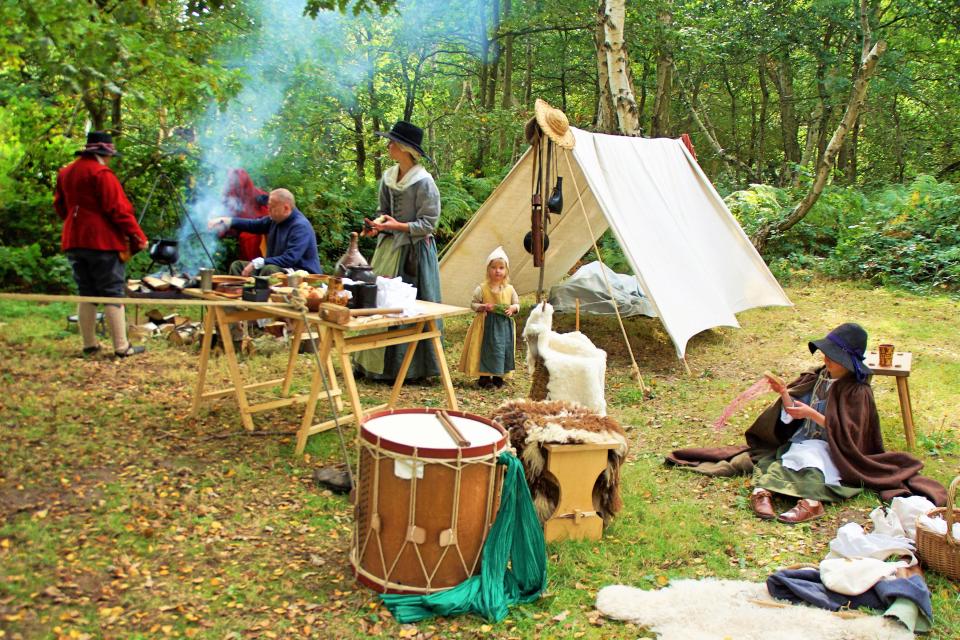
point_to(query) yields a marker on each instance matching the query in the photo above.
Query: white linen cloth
(853, 542)
(853, 576)
(395, 293)
(938, 525)
(908, 509)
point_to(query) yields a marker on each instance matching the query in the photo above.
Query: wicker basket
(938, 551)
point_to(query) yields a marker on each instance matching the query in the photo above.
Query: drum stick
(451, 429)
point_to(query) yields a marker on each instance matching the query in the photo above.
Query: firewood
(156, 283)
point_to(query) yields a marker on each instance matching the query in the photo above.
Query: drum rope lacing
(377, 454)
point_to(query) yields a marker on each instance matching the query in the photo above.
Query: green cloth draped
(513, 569)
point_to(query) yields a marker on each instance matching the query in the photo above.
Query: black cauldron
(165, 251)
(360, 273)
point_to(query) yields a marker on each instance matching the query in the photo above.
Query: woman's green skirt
(769, 473)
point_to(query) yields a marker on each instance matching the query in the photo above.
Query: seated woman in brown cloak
(820, 441)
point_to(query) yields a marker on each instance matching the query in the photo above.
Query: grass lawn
(120, 517)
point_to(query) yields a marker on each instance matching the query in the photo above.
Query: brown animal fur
(532, 424)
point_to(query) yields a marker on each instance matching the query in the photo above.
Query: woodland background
(121, 518)
(761, 86)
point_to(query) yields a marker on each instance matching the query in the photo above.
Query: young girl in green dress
(488, 352)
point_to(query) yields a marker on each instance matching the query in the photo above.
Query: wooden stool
(575, 467)
(902, 360)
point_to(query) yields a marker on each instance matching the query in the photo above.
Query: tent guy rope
(633, 361)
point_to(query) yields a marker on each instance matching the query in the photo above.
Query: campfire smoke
(281, 47)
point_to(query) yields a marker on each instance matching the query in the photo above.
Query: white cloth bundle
(394, 292)
(853, 576)
(908, 509)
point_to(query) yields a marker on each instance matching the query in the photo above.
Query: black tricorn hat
(405, 133)
(845, 345)
(99, 143)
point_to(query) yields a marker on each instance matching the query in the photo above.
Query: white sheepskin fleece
(539, 321)
(577, 369)
(717, 609)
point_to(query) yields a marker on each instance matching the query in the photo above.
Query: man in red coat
(98, 228)
(242, 199)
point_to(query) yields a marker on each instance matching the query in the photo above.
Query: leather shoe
(762, 503)
(130, 351)
(805, 511)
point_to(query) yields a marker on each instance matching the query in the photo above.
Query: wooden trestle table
(333, 340)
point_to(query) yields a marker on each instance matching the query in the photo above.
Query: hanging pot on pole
(165, 251)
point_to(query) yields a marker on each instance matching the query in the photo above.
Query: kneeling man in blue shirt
(291, 241)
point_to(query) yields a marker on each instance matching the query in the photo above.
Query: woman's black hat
(405, 133)
(845, 345)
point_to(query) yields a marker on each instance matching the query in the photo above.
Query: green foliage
(939, 443)
(908, 236)
(25, 269)
(356, 7)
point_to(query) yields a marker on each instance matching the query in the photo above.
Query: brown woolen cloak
(853, 433)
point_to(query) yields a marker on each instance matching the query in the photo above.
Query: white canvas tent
(694, 262)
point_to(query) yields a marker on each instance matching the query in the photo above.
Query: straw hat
(553, 122)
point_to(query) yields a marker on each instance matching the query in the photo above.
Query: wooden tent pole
(613, 299)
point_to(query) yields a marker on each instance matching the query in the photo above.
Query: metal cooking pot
(361, 273)
(165, 251)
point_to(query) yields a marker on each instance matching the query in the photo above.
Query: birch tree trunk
(618, 67)
(605, 120)
(869, 59)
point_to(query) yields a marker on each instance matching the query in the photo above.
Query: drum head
(404, 430)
